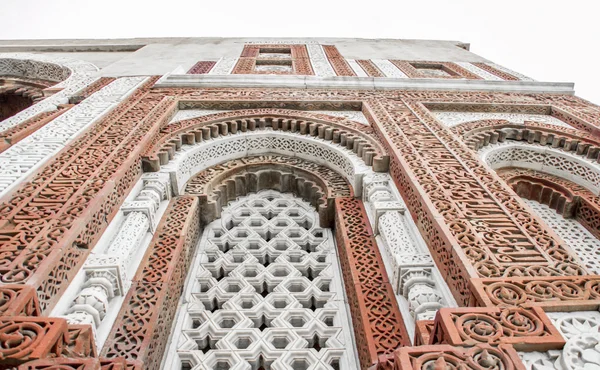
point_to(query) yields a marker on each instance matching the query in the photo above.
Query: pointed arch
(351, 136)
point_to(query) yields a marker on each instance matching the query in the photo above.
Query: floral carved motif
(558, 292)
(29, 338)
(479, 357)
(525, 329)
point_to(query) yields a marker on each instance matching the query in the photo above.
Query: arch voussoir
(193, 131)
(314, 183)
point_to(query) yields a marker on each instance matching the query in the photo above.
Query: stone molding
(410, 265)
(107, 274)
(315, 184)
(144, 321)
(378, 324)
(359, 83)
(338, 130)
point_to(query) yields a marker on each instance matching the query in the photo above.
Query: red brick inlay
(378, 325)
(202, 67)
(251, 57)
(338, 62)
(503, 75)
(449, 69)
(370, 68)
(144, 322)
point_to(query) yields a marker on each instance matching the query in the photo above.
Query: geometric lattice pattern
(265, 292)
(584, 243)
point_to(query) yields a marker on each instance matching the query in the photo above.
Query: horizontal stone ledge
(70, 48)
(362, 83)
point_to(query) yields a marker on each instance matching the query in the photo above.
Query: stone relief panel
(509, 72)
(581, 330)
(319, 61)
(358, 71)
(265, 290)
(224, 66)
(23, 158)
(108, 270)
(388, 68)
(438, 154)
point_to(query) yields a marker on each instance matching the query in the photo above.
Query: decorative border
(144, 322)
(370, 68)
(338, 62)
(250, 57)
(202, 67)
(452, 69)
(378, 324)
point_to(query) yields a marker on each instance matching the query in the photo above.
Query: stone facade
(295, 204)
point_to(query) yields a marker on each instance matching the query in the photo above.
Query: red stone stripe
(370, 68)
(378, 324)
(202, 67)
(340, 66)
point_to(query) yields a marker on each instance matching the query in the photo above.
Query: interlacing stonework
(487, 244)
(265, 292)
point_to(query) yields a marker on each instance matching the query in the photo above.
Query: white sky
(548, 40)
